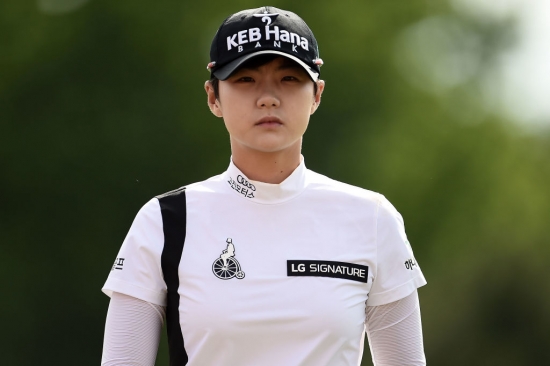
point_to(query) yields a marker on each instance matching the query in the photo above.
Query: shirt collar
(266, 193)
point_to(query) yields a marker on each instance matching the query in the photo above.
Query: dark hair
(253, 63)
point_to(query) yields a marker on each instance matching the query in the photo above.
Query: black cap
(265, 30)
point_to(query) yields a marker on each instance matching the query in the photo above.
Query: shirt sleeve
(137, 268)
(395, 333)
(397, 273)
(132, 332)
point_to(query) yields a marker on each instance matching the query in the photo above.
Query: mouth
(269, 121)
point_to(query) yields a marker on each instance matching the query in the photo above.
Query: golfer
(325, 262)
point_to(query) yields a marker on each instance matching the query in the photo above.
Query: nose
(268, 99)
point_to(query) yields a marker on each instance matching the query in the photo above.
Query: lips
(269, 121)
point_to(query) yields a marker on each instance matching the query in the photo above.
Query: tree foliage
(103, 107)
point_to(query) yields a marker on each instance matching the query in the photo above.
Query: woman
(307, 263)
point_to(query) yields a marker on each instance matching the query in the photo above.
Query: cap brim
(225, 71)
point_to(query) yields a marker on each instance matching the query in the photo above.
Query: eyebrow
(289, 65)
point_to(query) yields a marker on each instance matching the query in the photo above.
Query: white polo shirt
(266, 274)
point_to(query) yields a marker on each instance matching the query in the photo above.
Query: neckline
(265, 193)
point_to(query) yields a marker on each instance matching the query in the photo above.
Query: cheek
(230, 106)
(234, 116)
(302, 104)
(234, 103)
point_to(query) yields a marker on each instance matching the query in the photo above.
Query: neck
(267, 167)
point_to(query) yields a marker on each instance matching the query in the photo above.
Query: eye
(290, 78)
(245, 79)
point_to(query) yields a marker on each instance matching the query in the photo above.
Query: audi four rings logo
(242, 186)
(245, 183)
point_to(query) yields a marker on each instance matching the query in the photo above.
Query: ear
(317, 96)
(213, 102)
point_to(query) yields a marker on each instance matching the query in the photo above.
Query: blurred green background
(102, 107)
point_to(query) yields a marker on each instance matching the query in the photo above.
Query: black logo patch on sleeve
(309, 268)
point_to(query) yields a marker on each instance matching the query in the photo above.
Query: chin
(270, 145)
(268, 149)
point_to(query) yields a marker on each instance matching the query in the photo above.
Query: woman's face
(266, 109)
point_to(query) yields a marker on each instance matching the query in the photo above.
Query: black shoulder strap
(173, 209)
